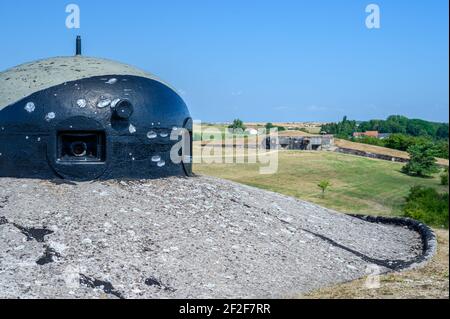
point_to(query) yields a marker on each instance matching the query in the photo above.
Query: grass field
(359, 185)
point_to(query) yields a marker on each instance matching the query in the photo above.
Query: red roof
(368, 133)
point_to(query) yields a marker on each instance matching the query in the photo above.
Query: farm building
(366, 134)
(305, 142)
(375, 134)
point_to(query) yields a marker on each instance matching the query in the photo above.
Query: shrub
(444, 177)
(370, 140)
(323, 185)
(270, 126)
(400, 141)
(441, 149)
(428, 206)
(422, 162)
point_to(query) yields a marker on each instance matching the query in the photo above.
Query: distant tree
(422, 162)
(415, 129)
(343, 129)
(394, 124)
(440, 149)
(237, 124)
(442, 131)
(401, 124)
(269, 126)
(324, 185)
(400, 141)
(404, 132)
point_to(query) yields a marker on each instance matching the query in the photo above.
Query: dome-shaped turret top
(86, 118)
(23, 80)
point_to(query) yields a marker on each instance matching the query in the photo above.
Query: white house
(251, 131)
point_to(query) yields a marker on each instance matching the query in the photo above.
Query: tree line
(404, 133)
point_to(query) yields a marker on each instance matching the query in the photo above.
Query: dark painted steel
(103, 127)
(78, 46)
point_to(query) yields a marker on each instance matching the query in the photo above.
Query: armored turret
(83, 118)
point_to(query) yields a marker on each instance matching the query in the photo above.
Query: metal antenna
(78, 46)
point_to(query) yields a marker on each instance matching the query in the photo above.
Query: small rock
(86, 241)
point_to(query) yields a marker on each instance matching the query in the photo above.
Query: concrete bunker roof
(23, 80)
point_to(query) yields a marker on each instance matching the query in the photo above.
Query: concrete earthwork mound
(185, 238)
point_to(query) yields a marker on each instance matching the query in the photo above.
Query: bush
(370, 140)
(444, 177)
(422, 162)
(400, 142)
(428, 206)
(440, 149)
(270, 126)
(324, 185)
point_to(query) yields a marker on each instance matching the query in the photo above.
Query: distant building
(251, 131)
(367, 134)
(383, 136)
(307, 143)
(374, 134)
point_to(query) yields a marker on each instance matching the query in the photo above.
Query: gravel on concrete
(198, 237)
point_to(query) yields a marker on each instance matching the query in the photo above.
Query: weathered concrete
(23, 80)
(181, 238)
(308, 143)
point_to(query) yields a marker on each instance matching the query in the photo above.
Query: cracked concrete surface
(200, 237)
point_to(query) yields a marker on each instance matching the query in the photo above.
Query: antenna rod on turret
(78, 46)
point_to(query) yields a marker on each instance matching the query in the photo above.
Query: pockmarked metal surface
(83, 118)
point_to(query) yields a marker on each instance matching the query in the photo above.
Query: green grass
(358, 185)
(200, 135)
(314, 130)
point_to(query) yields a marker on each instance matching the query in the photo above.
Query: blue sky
(299, 60)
